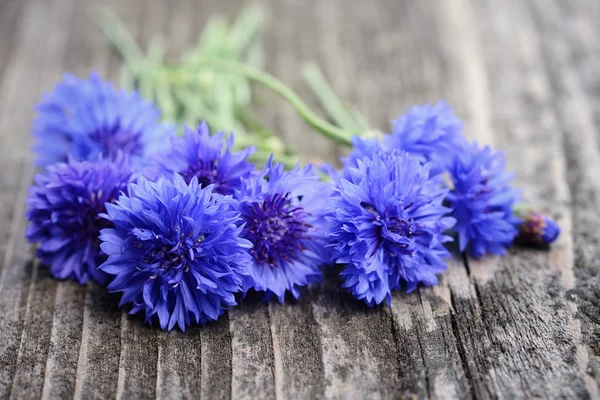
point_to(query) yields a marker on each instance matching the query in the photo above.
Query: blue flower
(84, 119)
(388, 225)
(64, 207)
(175, 251)
(208, 158)
(426, 132)
(363, 148)
(284, 216)
(429, 133)
(482, 200)
(537, 228)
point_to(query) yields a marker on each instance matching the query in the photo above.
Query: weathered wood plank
(446, 376)
(99, 361)
(184, 369)
(197, 362)
(296, 350)
(527, 129)
(137, 360)
(47, 357)
(216, 369)
(67, 321)
(10, 17)
(29, 378)
(568, 36)
(65, 341)
(178, 365)
(428, 353)
(70, 352)
(139, 344)
(24, 299)
(408, 65)
(524, 355)
(357, 343)
(252, 364)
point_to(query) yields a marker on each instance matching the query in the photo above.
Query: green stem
(120, 37)
(339, 135)
(327, 98)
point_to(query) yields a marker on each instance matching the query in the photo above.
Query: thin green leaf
(245, 28)
(120, 38)
(327, 98)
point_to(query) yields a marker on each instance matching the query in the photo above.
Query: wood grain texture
(524, 78)
(571, 54)
(25, 290)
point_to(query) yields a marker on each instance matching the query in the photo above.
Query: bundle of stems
(212, 82)
(223, 100)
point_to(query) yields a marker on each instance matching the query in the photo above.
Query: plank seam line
(277, 367)
(46, 382)
(18, 211)
(480, 302)
(317, 338)
(121, 375)
(461, 347)
(396, 335)
(465, 260)
(425, 367)
(160, 342)
(33, 277)
(16, 15)
(230, 352)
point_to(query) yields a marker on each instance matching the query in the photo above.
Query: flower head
(482, 200)
(175, 251)
(537, 228)
(363, 148)
(84, 119)
(429, 133)
(209, 159)
(284, 216)
(64, 207)
(388, 225)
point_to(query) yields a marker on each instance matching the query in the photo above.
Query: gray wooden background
(523, 75)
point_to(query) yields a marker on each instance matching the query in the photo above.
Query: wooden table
(523, 75)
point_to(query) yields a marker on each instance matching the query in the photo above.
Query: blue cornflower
(388, 225)
(64, 207)
(482, 200)
(175, 251)
(208, 158)
(429, 133)
(284, 216)
(363, 148)
(84, 119)
(537, 228)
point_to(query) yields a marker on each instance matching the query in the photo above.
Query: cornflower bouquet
(144, 190)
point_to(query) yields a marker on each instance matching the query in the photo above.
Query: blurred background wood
(524, 76)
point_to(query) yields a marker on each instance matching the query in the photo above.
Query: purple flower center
(114, 139)
(277, 229)
(398, 226)
(206, 172)
(92, 225)
(394, 227)
(167, 258)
